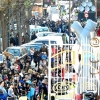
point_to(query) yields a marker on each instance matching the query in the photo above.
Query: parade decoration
(84, 38)
(87, 6)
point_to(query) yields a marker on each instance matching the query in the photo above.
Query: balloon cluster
(87, 5)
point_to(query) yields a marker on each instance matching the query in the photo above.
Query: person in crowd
(44, 49)
(3, 94)
(98, 31)
(64, 38)
(43, 89)
(8, 61)
(36, 58)
(31, 92)
(28, 59)
(12, 40)
(16, 67)
(44, 56)
(33, 36)
(16, 40)
(21, 64)
(10, 90)
(31, 53)
(27, 38)
(54, 49)
(27, 67)
(23, 39)
(20, 87)
(15, 90)
(52, 60)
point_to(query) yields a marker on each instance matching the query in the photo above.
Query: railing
(65, 83)
(18, 98)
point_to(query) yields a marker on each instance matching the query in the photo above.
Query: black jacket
(37, 56)
(44, 88)
(33, 37)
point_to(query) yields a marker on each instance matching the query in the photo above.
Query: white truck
(53, 12)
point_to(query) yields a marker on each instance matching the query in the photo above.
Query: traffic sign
(86, 14)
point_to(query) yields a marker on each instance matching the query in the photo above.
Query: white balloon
(81, 8)
(93, 8)
(89, 4)
(87, 8)
(84, 4)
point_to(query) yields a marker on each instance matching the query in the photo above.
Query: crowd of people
(29, 76)
(25, 77)
(60, 26)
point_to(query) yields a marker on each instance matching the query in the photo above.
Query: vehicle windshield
(53, 42)
(44, 34)
(37, 44)
(58, 34)
(35, 47)
(43, 30)
(15, 52)
(48, 34)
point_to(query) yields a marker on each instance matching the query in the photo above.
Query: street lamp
(96, 7)
(69, 20)
(26, 13)
(35, 17)
(32, 13)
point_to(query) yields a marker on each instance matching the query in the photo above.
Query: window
(15, 52)
(41, 35)
(53, 42)
(34, 47)
(58, 34)
(46, 34)
(1, 57)
(43, 30)
(36, 43)
(43, 41)
(24, 50)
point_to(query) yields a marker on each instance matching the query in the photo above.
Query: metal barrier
(16, 98)
(70, 76)
(12, 98)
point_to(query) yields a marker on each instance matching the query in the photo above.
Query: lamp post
(69, 20)
(26, 13)
(27, 20)
(9, 25)
(35, 17)
(96, 7)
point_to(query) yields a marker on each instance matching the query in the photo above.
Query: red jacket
(54, 50)
(63, 72)
(98, 32)
(18, 68)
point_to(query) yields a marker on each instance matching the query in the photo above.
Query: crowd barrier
(16, 98)
(12, 98)
(86, 75)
